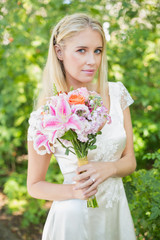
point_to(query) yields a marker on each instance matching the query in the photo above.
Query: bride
(76, 57)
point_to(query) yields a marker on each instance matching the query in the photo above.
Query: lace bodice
(110, 145)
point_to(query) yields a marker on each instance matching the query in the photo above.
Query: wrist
(72, 191)
(113, 169)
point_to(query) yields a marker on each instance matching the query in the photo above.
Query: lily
(61, 118)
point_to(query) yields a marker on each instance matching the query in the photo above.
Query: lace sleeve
(125, 98)
(33, 122)
(29, 134)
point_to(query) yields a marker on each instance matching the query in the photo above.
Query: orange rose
(76, 99)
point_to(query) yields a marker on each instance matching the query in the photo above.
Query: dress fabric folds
(71, 219)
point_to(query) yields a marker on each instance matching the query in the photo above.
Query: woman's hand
(89, 176)
(83, 193)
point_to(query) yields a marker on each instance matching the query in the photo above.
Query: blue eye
(81, 50)
(98, 51)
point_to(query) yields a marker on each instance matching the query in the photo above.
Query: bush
(143, 191)
(33, 211)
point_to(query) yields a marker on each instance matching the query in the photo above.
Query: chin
(87, 80)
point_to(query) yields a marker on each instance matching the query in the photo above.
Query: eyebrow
(87, 47)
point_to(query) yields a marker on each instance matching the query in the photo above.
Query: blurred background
(132, 29)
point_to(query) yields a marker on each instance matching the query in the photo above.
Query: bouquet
(75, 116)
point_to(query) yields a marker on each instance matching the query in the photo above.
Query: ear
(59, 52)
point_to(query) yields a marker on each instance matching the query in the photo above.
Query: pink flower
(63, 118)
(82, 91)
(42, 143)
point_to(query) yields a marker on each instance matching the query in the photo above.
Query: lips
(88, 70)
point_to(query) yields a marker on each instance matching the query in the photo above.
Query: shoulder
(114, 88)
(117, 89)
(116, 85)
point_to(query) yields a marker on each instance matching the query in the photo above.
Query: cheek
(98, 63)
(75, 58)
(99, 60)
(73, 61)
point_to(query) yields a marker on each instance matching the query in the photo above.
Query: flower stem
(65, 146)
(92, 201)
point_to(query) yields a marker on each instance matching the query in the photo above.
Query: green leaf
(99, 133)
(92, 147)
(90, 136)
(93, 141)
(155, 213)
(71, 88)
(69, 135)
(55, 92)
(67, 151)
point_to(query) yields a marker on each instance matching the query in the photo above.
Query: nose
(91, 59)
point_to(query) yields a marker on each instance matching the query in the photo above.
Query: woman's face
(81, 57)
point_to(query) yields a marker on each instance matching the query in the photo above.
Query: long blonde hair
(53, 71)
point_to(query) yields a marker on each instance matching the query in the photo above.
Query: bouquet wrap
(82, 161)
(92, 201)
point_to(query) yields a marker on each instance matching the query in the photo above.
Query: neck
(90, 86)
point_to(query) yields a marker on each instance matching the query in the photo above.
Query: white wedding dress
(71, 219)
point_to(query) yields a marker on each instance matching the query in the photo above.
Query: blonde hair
(53, 71)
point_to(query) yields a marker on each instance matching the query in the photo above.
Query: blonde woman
(77, 56)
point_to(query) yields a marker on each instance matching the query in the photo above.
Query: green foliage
(34, 213)
(32, 210)
(142, 189)
(15, 186)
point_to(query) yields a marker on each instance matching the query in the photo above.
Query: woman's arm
(100, 171)
(39, 188)
(127, 164)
